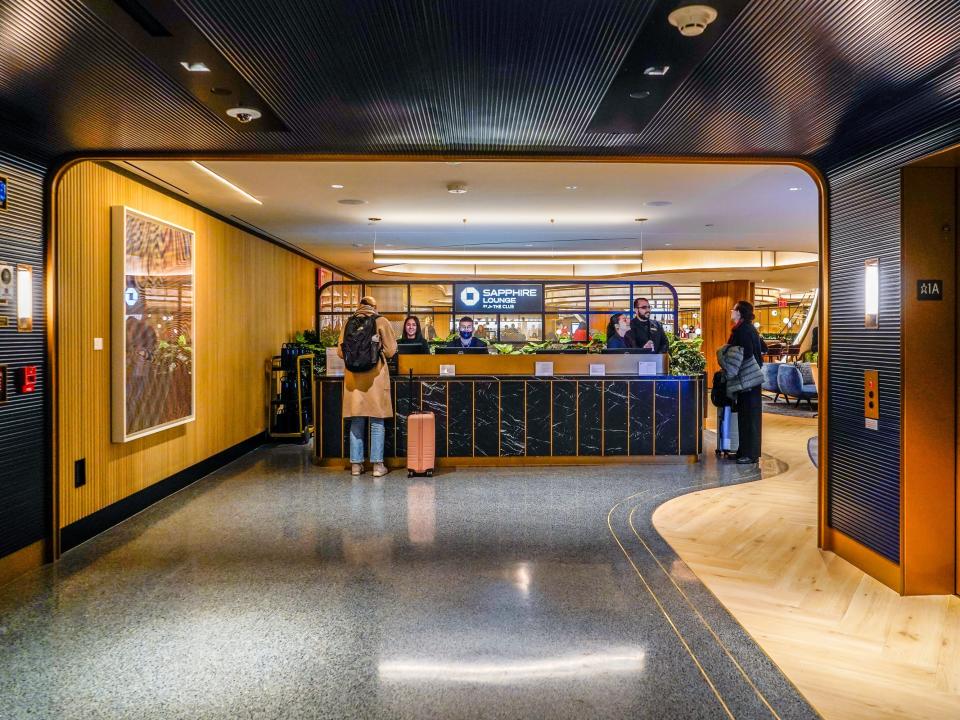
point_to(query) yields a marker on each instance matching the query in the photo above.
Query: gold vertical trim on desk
(679, 418)
(653, 419)
(524, 418)
(551, 418)
(576, 415)
(499, 413)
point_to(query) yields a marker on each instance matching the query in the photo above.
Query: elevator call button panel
(871, 398)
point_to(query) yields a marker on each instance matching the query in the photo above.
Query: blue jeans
(358, 429)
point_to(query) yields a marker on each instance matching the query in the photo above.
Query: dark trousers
(749, 422)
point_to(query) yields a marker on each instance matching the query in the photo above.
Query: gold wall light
(871, 293)
(24, 298)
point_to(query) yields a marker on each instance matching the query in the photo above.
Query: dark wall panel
(864, 465)
(23, 491)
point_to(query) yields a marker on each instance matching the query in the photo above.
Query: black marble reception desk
(510, 419)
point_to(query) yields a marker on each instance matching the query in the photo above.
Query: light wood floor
(852, 646)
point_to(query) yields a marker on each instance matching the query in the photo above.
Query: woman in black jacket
(413, 335)
(749, 402)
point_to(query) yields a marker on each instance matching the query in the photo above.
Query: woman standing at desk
(619, 335)
(411, 339)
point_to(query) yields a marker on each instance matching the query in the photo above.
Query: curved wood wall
(251, 297)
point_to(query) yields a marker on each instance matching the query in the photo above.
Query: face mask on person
(466, 334)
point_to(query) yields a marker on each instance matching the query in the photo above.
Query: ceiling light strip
(226, 182)
(514, 253)
(507, 261)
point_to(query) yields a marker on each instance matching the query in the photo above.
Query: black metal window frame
(362, 284)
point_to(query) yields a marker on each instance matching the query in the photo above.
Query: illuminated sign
(497, 298)
(3, 193)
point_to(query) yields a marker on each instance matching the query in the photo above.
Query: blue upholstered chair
(797, 381)
(770, 379)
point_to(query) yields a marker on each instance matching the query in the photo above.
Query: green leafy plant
(169, 357)
(505, 349)
(686, 357)
(317, 345)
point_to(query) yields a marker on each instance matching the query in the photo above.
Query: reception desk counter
(495, 410)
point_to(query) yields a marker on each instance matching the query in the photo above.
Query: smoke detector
(243, 114)
(457, 188)
(692, 20)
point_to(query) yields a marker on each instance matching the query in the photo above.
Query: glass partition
(573, 310)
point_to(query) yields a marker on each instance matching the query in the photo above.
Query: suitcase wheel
(430, 472)
(718, 452)
(410, 473)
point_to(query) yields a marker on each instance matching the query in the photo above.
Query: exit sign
(929, 289)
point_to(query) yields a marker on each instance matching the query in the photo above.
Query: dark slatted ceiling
(788, 77)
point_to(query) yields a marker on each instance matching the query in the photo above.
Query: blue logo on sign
(470, 296)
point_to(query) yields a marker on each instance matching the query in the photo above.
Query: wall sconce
(24, 298)
(871, 293)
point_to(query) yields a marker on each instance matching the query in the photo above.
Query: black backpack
(718, 393)
(360, 352)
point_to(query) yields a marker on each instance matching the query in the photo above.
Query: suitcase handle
(410, 393)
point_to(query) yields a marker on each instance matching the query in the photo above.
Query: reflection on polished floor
(275, 589)
(854, 647)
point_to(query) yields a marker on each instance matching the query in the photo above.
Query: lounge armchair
(797, 381)
(770, 379)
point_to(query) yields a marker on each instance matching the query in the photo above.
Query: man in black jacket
(647, 332)
(465, 337)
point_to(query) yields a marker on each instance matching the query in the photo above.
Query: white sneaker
(356, 469)
(379, 470)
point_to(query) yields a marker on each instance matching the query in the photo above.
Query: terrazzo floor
(274, 589)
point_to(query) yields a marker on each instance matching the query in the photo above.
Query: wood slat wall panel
(716, 301)
(251, 296)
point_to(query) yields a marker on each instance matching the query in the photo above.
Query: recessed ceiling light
(571, 187)
(221, 91)
(640, 94)
(794, 189)
(358, 244)
(195, 66)
(667, 244)
(337, 186)
(389, 245)
(528, 244)
(456, 188)
(352, 201)
(657, 70)
(658, 203)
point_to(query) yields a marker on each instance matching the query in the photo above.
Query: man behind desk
(647, 332)
(465, 336)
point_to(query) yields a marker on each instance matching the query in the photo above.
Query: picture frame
(153, 331)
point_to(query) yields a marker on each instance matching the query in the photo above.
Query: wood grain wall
(716, 301)
(251, 296)
(928, 396)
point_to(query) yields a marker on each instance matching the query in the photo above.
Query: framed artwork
(152, 325)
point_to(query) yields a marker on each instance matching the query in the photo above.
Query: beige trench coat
(367, 394)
